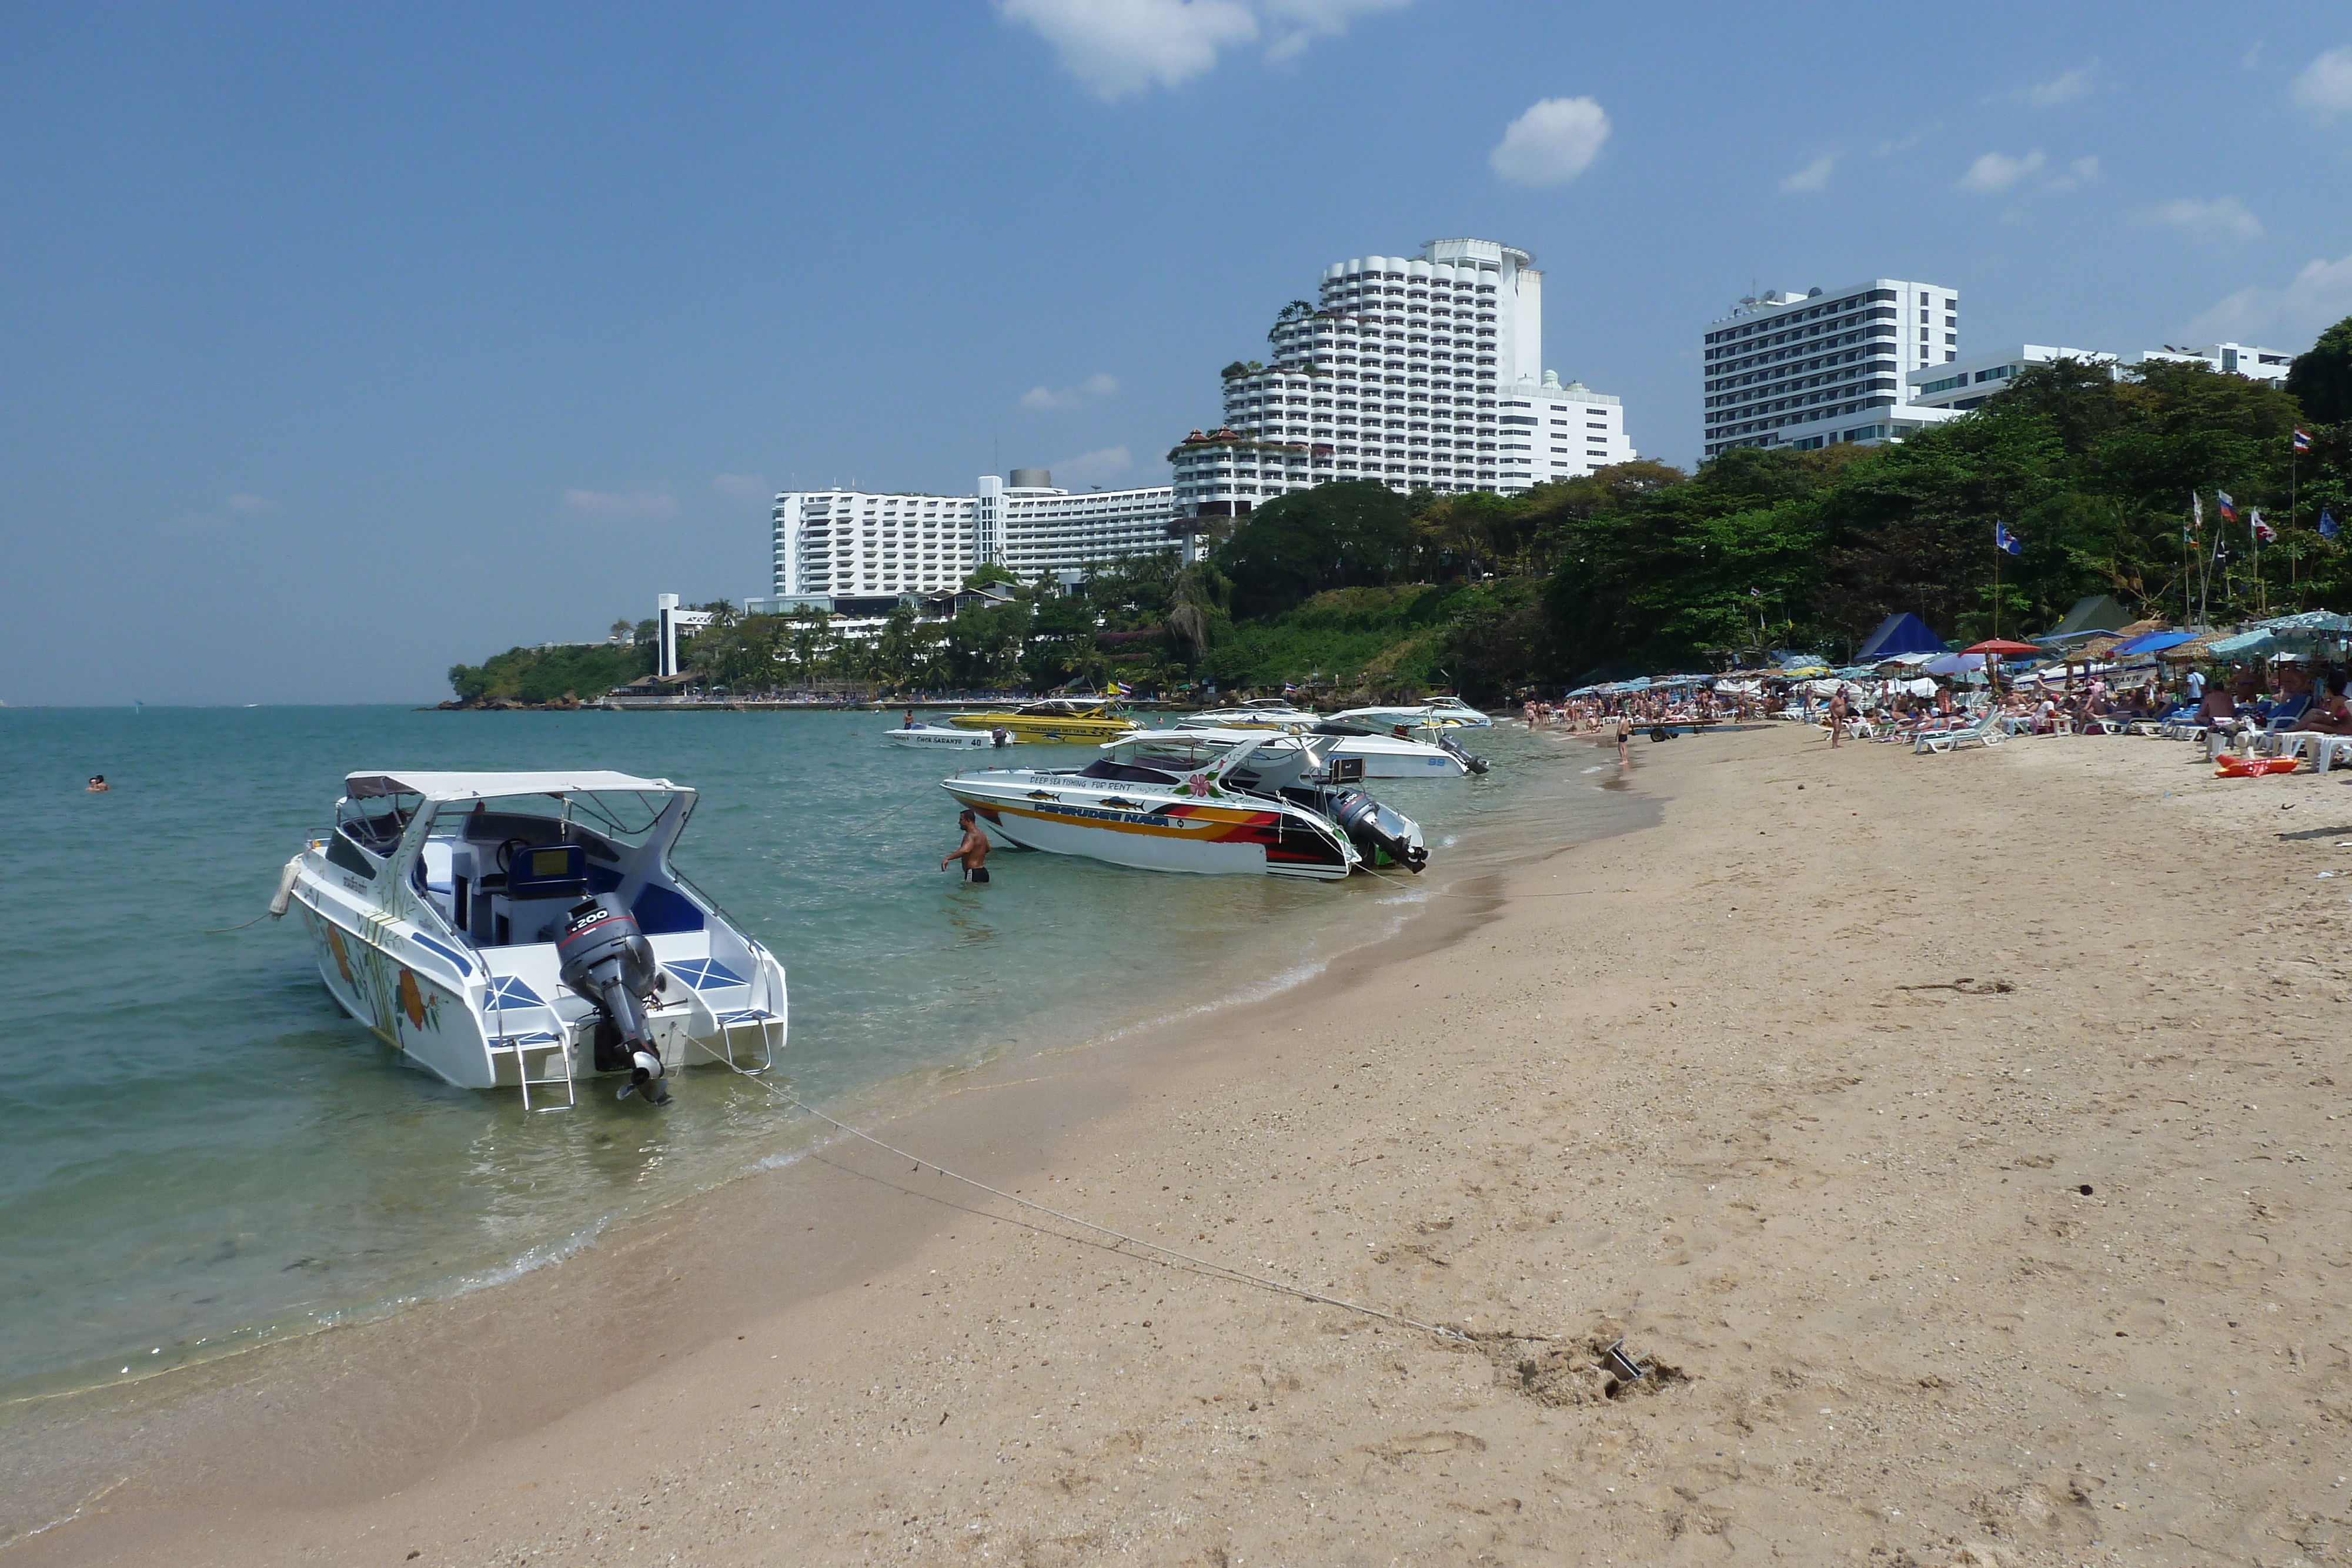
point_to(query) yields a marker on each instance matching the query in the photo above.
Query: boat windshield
(625, 817)
(376, 822)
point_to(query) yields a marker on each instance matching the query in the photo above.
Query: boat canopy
(494, 786)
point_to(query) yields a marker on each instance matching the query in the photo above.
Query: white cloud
(1813, 176)
(1553, 143)
(245, 503)
(2080, 172)
(2324, 88)
(2222, 218)
(1888, 149)
(742, 485)
(1120, 47)
(621, 506)
(1093, 468)
(2314, 299)
(1043, 400)
(2063, 88)
(1295, 24)
(1997, 172)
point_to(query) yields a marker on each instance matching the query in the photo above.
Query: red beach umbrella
(2003, 647)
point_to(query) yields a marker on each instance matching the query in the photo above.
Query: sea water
(201, 1151)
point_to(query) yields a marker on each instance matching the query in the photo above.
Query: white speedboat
(1259, 713)
(1437, 713)
(1265, 806)
(1336, 746)
(527, 930)
(935, 736)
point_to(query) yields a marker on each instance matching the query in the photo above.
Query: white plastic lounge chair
(1983, 732)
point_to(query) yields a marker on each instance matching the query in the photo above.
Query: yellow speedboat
(1071, 721)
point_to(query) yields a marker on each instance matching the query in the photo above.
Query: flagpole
(1996, 580)
(2294, 487)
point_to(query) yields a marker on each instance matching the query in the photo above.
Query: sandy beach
(1954, 1138)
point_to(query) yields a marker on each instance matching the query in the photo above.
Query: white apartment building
(856, 543)
(1809, 370)
(1963, 385)
(1421, 373)
(2266, 365)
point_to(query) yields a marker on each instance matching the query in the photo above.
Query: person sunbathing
(2329, 713)
(2218, 710)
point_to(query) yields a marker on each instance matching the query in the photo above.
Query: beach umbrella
(2002, 648)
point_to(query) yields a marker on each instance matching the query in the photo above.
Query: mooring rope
(1243, 1276)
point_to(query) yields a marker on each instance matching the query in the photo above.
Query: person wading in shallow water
(1625, 739)
(973, 852)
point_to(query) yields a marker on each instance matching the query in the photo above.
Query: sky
(347, 343)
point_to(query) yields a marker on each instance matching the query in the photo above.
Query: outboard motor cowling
(606, 959)
(1376, 829)
(1455, 749)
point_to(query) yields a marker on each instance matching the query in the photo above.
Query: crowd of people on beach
(2288, 694)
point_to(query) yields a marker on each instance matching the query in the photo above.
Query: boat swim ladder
(553, 1060)
(551, 1051)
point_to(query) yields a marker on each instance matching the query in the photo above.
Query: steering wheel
(506, 852)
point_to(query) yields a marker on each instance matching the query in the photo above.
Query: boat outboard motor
(1374, 827)
(606, 959)
(1455, 749)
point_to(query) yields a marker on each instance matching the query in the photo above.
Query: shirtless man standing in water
(973, 852)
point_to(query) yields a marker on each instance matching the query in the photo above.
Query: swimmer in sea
(97, 784)
(973, 852)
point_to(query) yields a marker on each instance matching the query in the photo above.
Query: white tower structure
(1815, 369)
(1421, 373)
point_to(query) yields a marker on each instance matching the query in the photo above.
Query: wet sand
(1667, 1086)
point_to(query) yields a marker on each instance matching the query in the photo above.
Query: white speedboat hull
(1384, 757)
(932, 737)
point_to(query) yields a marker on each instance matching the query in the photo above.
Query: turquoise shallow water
(201, 1151)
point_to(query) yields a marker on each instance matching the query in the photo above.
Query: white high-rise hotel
(1421, 373)
(1810, 369)
(856, 543)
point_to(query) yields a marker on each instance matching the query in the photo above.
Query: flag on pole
(2005, 541)
(1114, 689)
(1289, 687)
(2326, 524)
(1755, 593)
(2264, 533)
(2228, 508)
(2195, 513)
(2302, 440)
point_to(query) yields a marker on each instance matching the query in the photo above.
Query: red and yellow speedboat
(1264, 807)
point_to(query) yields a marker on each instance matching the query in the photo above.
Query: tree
(1201, 597)
(2321, 380)
(1355, 532)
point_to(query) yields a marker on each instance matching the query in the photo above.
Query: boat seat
(661, 911)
